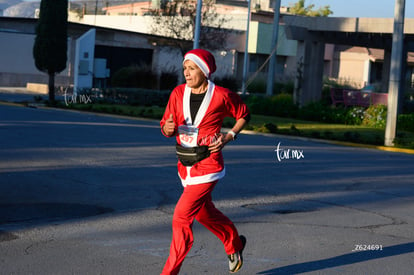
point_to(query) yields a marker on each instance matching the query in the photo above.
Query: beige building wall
(352, 68)
(138, 8)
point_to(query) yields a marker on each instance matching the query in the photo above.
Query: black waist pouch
(192, 155)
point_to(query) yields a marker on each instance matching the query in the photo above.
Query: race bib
(188, 135)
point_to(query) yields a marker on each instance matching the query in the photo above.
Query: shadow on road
(347, 259)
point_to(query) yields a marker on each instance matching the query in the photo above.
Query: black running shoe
(236, 259)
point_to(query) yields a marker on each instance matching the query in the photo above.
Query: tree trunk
(52, 88)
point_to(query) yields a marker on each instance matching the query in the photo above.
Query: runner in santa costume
(194, 115)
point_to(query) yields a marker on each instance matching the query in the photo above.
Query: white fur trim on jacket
(201, 179)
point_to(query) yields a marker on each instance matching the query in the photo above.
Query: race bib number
(188, 135)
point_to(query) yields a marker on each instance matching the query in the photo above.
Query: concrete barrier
(38, 88)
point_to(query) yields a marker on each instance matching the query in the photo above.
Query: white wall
(17, 64)
(84, 57)
(16, 55)
(16, 50)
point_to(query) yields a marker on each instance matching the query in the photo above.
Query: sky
(359, 8)
(356, 8)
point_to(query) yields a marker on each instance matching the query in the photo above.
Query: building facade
(308, 49)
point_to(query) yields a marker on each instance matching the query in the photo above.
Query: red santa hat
(203, 59)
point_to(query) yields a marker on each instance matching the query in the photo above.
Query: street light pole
(246, 50)
(395, 72)
(96, 11)
(273, 49)
(197, 25)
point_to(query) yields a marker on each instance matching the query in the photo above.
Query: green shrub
(272, 128)
(254, 102)
(354, 116)
(403, 140)
(258, 104)
(405, 122)
(378, 140)
(230, 83)
(328, 134)
(352, 136)
(121, 78)
(294, 130)
(135, 76)
(278, 88)
(375, 116)
(266, 128)
(168, 80)
(315, 134)
(277, 105)
(326, 95)
(258, 86)
(408, 103)
(282, 105)
(317, 111)
(136, 97)
(287, 88)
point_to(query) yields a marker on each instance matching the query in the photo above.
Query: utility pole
(246, 50)
(197, 25)
(96, 12)
(273, 59)
(395, 72)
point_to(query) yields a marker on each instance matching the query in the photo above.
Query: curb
(335, 142)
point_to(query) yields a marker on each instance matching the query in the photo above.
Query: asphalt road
(90, 194)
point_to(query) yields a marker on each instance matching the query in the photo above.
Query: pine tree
(50, 47)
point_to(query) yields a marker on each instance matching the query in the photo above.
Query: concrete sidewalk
(18, 95)
(23, 95)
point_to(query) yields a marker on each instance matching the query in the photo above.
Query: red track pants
(196, 202)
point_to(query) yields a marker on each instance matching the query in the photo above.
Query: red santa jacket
(217, 104)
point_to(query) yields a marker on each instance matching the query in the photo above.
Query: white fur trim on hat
(199, 62)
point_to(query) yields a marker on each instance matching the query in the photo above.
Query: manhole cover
(29, 213)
